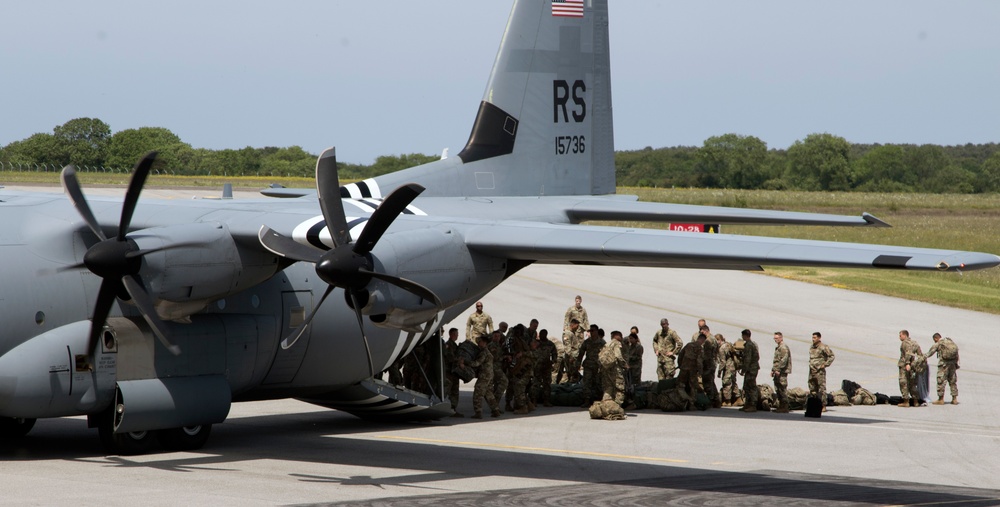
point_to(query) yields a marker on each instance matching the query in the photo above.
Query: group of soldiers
(522, 362)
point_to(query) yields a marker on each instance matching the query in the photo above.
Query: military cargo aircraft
(152, 317)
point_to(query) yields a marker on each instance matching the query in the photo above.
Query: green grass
(959, 222)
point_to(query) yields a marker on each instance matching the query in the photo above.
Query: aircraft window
(255, 301)
(39, 318)
(221, 304)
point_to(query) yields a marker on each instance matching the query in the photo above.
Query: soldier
(749, 367)
(572, 340)
(908, 350)
(947, 371)
(479, 323)
(450, 353)
(820, 358)
(708, 371)
(588, 357)
(578, 312)
(500, 357)
(692, 361)
(666, 344)
(521, 370)
(613, 365)
(780, 371)
(545, 356)
(635, 352)
(484, 384)
(531, 333)
(727, 371)
(514, 347)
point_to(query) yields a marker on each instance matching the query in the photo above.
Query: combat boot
(521, 411)
(940, 401)
(904, 404)
(496, 413)
(954, 400)
(478, 415)
(782, 409)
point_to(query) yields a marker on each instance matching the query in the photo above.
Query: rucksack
(949, 351)
(919, 362)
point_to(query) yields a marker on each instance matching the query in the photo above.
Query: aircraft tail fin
(544, 126)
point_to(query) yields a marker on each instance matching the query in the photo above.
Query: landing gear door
(294, 307)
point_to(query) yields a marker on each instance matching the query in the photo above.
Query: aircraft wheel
(125, 444)
(15, 427)
(187, 438)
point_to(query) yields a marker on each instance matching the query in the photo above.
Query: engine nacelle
(158, 403)
(198, 263)
(434, 258)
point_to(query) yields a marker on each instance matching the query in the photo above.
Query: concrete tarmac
(288, 452)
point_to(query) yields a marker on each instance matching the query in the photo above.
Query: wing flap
(554, 243)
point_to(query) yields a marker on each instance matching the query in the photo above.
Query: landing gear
(15, 427)
(125, 444)
(188, 438)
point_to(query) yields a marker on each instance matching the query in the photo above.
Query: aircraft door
(294, 307)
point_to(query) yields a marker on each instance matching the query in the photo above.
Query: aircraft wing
(619, 246)
(621, 209)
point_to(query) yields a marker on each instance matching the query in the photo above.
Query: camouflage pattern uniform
(612, 374)
(947, 370)
(572, 341)
(820, 358)
(484, 384)
(750, 368)
(477, 325)
(450, 353)
(780, 370)
(692, 363)
(544, 358)
(711, 350)
(589, 358)
(499, 377)
(634, 360)
(727, 372)
(908, 352)
(521, 372)
(579, 314)
(666, 343)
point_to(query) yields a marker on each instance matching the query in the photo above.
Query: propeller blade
(287, 247)
(328, 190)
(294, 337)
(145, 304)
(105, 298)
(384, 215)
(407, 285)
(139, 174)
(72, 188)
(361, 327)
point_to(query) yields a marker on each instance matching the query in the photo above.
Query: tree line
(820, 162)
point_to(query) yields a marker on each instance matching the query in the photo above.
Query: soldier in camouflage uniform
(820, 358)
(578, 312)
(544, 352)
(484, 384)
(908, 356)
(701, 323)
(479, 323)
(780, 370)
(708, 367)
(634, 358)
(947, 370)
(750, 367)
(588, 357)
(613, 367)
(572, 340)
(450, 353)
(727, 371)
(521, 369)
(666, 345)
(692, 362)
(499, 357)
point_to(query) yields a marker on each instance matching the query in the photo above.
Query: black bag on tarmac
(814, 407)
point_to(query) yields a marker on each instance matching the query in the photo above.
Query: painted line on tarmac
(533, 449)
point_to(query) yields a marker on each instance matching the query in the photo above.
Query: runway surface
(288, 452)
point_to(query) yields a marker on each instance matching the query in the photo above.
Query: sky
(391, 77)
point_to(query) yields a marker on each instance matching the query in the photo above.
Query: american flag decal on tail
(567, 8)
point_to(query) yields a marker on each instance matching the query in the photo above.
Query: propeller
(117, 259)
(348, 265)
